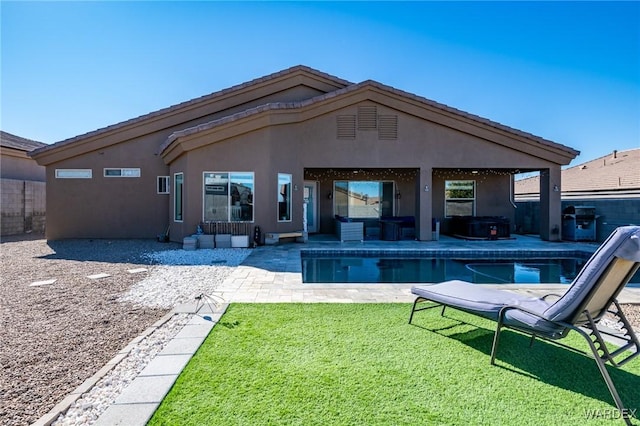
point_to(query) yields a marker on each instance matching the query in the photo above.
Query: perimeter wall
(23, 206)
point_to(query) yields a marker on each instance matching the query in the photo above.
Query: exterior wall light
(555, 188)
(426, 188)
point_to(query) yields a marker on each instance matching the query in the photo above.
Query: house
(610, 184)
(22, 186)
(15, 162)
(289, 150)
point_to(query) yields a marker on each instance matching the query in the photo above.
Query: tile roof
(16, 142)
(198, 100)
(353, 87)
(618, 171)
(346, 87)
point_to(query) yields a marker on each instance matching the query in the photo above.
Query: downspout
(24, 206)
(511, 194)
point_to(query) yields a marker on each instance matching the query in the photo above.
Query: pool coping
(446, 253)
(274, 273)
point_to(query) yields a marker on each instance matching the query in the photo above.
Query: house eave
(6, 151)
(174, 116)
(393, 98)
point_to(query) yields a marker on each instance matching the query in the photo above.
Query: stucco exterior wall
(290, 148)
(109, 207)
(15, 164)
(223, 132)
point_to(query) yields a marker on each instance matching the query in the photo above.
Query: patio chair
(589, 297)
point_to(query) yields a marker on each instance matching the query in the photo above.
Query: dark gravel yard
(55, 336)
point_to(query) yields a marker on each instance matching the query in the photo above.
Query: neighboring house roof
(332, 89)
(615, 174)
(8, 140)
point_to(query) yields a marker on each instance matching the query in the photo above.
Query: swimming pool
(412, 267)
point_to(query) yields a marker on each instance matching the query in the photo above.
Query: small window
(163, 184)
(178, 182)
(284, 197)
(460, 197)
(73, 174)
(122, 172)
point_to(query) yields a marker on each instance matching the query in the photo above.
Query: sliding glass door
(363, 199)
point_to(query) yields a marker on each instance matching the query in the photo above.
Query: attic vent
(346, 125)
(388, 127)
(367, 118)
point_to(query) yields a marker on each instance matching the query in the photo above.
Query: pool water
(389, 269)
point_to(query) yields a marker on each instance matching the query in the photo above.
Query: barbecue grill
(579, 223)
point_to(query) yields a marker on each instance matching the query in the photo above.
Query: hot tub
(480, 227)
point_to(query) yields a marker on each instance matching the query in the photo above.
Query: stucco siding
(17, 165)
(108, 207)
(129, 207)
(288, 122)
(291, 148)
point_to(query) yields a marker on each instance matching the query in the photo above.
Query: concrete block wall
(23, 206)
(611, 213)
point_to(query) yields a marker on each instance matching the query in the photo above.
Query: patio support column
(551, 204)
(424, 206)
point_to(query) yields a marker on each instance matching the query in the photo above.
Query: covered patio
(423, 202)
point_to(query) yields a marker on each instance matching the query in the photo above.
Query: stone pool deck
(274, 273)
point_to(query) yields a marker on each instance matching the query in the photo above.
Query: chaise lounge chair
(580, 308)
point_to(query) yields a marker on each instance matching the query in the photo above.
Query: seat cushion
(487, 302)
(624, 243)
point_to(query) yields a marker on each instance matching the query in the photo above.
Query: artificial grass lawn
(362, 364)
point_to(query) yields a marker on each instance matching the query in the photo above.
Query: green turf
(362, 364)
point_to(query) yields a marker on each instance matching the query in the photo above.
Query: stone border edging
(64, 405)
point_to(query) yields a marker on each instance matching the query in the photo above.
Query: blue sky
(565, 71)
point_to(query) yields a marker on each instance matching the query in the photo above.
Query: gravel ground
(57, 335)
(87, 409)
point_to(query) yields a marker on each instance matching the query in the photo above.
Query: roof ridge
(349, 88)
(255, 110)
(212, 95)
(602, 157)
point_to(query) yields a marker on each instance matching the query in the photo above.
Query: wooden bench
(275, 237)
